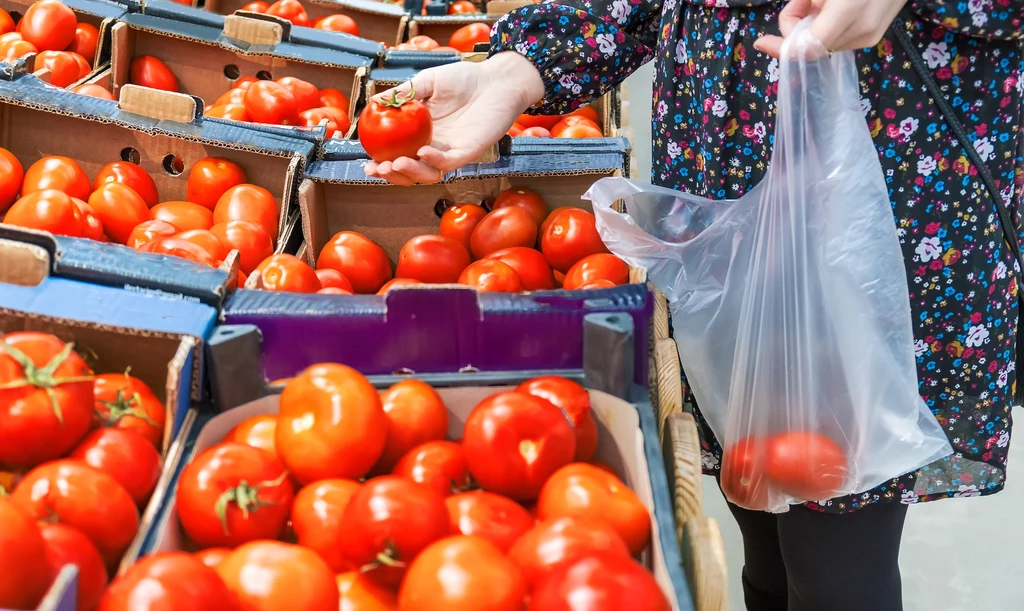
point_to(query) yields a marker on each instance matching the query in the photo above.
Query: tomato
(24, 574)
(231, 112)
(60, 173)
(15, 49)
(149, 71)
(206, 240)
(587, 112)
(467, 37)
(571, 234)
(440, 465)
(92, 228)
(256, 7)
(581, 130)
(535, 132)
(333, 98)
(330, 278)
(186, 216)
(574, 401)
(315, 116)
(126, 403)
(120, 209)
(420, 43)
(433, 259)
(462, 7)
(86, 38)
(247, 202)
(257, 431)
(515, 130)
(600, 581)
(316, 518)
(395, 127)
(130, 174)
(94, 91)
(168, 580)
(212, 556)
(177, 247)
(11, 176)
(272, 103)
(6, 22)
(514, 441)
(600, 283)
(547, 222)
(288, 273)
(48, 25)
(84, 67)
(63, 67)
(357, 258)
(35, 426)
(245, 82)
(233, 493)
(554, 543)
(459, 221)
(462, 573)
(742, 478)
(581, 490)
(360, 594)
(529, 264)
(498, 519)
(83, 497)
(805, 465)
(231, 96)
(306, 94)
(292, 10)
(250, 240)
(491, 276)
(524, 198)
(331, 424)
(337, 23)
(545, 122)
(503, 228)
(387, 523)
(209, 178)
(333, 290)
(66, 545)
(397, 282)
(47, 210)
(270, 576)
(571, 120)
(416, 414)
(147, 231)
(127, 457)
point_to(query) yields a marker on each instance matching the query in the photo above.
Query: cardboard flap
(256, 29)
(159, 105)
(23, 264)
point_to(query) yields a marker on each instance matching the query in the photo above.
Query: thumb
(769, 45)
(421, 85)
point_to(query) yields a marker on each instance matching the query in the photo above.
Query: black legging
(804, 560)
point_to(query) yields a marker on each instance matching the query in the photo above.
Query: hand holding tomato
(394, 126)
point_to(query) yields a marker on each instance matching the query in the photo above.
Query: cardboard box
(441, 27)
(98, 13)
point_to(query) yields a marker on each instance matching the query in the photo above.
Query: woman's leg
(843, 562)
(764, 573)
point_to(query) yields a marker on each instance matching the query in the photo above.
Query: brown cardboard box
(382, 23)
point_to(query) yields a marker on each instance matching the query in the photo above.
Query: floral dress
(713, 124)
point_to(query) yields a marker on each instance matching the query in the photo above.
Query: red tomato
(47, 210)
(212, 556)
(395, 127)
(333, 290)
(459, 221)
(292, 10)
(186, 216)
(503, 228)
(583, 491)
(491, 276)
(257, 432)
(250, 240)
(331, 424)
(126, 403)
(66, 545)
(467, 37)
(121, 210)
(337, 23)
(147, 231)
(233, 493)
(570, 120)
(58, 173)
(48, 25)
(168, 580)
(63, 67)
(598, 582)
(205, 239)
(11, 176)
(149, 71)
(94, 91)
(514, 441)
(6, 22)
(210, 178)
(742, 480)
(547, 222)
(360, 594)
(129, 458)
(574, 401)
(231, 96)
(330, 278)
(306, 94)
(333, 98)
(396, 282)
(315, 116)
(600, 283)
(86, 38)
(270, 576)
(35, 426)
(554, 543)
(515, 130)
(248, 203)
(545, 122)
(387, 524)
(805, 465)
(316, 518)
(587, 112)
(527, 199)
(462, 7)
(84, 67)
(256, 7)
(129, 174)
(272, 103)
(441, 465)
(177, 247)
(92, 228)
(245, 82)
(529, 264)
(500, 520)
(15, 48)
(416, 414)
(571, 234)
(419, 43)
(231, 112)
(24, 573)
(288, 273)
(357, 258)
(85, 498)
(580, 131)
(434, 259)
(462, 573)
(535, 132)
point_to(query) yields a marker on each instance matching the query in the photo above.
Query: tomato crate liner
(628, 441)
(98, 13)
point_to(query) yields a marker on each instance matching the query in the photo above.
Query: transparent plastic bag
(790, 305)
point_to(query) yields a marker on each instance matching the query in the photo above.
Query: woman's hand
(472, 105)
(840, 25)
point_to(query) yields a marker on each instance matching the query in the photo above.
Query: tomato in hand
(808, 466)
(462, 573)
(168, 580)
(396, 126)
(503, 228)
(47, 210)
(574, 401)
(247, 202)
(288, 273)
(63, 67)
(66, 545)
(416, 414)
(92, 228)
(498, 519)
(743, 479)
(331, 424)
(233, 493)
(212, 556)
(60, 173)
(49, 25)
(257, 432)
(24, 573)
(396, 282)
(333, 98)
(205, 239)
(459, 221)
(129, 174)
(292, 10)
(250, 240)
(433, 259)
(306, 94)
(491, 276)
(316, 518)
(126, 403)
(387, 523)
(597, 582)
(271, 103)
(529, 264)
(554, 543)
(337, 23)
(514, 442)
(527, 199)
(127, 457)
(36, 426)
(570, 235)
(333, 279)
(467, 37)
(209, 178)
(440, 465)
(357, 258)
(186, 216)
(148, 71)
(360, 594)
(11, 176)
(86, 39)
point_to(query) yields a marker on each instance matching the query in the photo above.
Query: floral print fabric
(713, 126)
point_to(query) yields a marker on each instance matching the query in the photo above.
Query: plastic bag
(790, 305)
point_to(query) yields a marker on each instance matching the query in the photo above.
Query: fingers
(422, 85)
(769, 45)
(448, 159)
(404, 171)
(791, 15)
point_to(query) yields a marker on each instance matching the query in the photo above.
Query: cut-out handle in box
(160, 105)
(257, 28)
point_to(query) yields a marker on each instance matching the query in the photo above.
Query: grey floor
(957, 555)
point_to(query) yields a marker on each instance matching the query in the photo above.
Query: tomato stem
(246, 497)
(42, 377)
(388, 558)
(396, 101)
(123, 406)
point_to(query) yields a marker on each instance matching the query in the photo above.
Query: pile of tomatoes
(85, 451)
(581, 123)
(294, 12)
(354, 499)
(50, 29)
(286, 101)
(462, 40)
